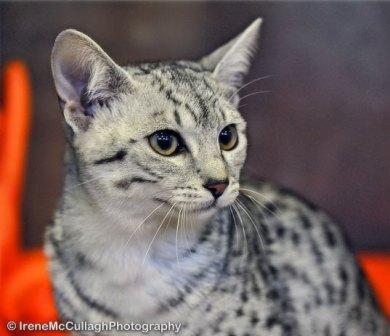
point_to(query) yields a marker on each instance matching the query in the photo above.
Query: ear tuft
(83, 76)
(231, 62)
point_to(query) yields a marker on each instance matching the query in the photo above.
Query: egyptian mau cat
(155, 224)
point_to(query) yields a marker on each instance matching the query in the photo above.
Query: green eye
(164, 142)
(228, 138)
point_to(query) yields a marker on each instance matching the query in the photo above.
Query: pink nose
(216, 187)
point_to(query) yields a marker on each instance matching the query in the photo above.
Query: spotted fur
(137, 236)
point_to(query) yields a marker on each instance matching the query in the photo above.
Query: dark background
(324, 130)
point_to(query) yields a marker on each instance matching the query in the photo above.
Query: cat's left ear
(230, 63)
(85, 77)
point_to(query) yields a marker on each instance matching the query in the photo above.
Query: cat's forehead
(180, 78)
(176, 71)
(182, 91)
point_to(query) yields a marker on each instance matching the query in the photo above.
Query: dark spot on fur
(280, 231)
(123, 184)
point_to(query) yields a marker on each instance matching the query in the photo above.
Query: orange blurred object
(25, 289)
(377, 269)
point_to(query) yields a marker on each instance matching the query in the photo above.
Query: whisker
(244, 233)
(235, 224)
(263, 209)
(155, 235)
(246, 211)
(254, 93)
(262, 196)
(143, 222)
(257, 203)
(177, 233)
(260, 207)
(192, 220)
(168, 223)
(241, 106)
(185, 219)
(193, 214)
(84, 182)
(257, 193)
(246, 84)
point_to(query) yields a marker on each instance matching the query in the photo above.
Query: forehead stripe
(177, 117)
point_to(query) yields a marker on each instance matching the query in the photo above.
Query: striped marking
(86, 299)
(118, 156)
(126, 183)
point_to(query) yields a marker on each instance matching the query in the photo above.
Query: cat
(155, 224)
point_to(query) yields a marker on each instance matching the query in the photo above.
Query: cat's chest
(140, 291)
(134, 292)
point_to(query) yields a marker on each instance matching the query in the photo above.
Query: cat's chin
(226, 201)
(211, 207)
(214, 207)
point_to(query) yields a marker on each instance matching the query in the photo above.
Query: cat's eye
(228, 138)
(165, 142)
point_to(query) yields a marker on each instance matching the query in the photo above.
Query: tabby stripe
(90, 302)
(208, 86)
(204, 109)
(148, 170)
(157, 79)
(170, 97)
(230, 242)
(201, 102)
(177, 118)
(197, 277)
(174, 99)
(126, 183)
(83, 262)
(61, 297)
(192, 112)
(118, 156)
(142, 180)
(222, 114)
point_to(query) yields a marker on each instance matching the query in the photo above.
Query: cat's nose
(216, 187)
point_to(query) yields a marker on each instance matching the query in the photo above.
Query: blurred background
(324, 130)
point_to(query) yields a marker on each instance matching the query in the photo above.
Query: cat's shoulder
(287, 211)
(277, 197)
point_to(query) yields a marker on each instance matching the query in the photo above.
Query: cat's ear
(231, 62)
(84, 76)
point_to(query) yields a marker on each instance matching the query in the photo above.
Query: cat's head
(166, 132)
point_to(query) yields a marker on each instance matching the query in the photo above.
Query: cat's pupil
(225, 136)
(164, 140)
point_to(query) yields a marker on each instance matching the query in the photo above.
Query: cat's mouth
(190, 206)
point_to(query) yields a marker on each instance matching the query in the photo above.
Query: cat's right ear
(85, 77)
(230, 63)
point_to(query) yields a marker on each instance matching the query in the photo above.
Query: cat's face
(169, 142)
(167, 133)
